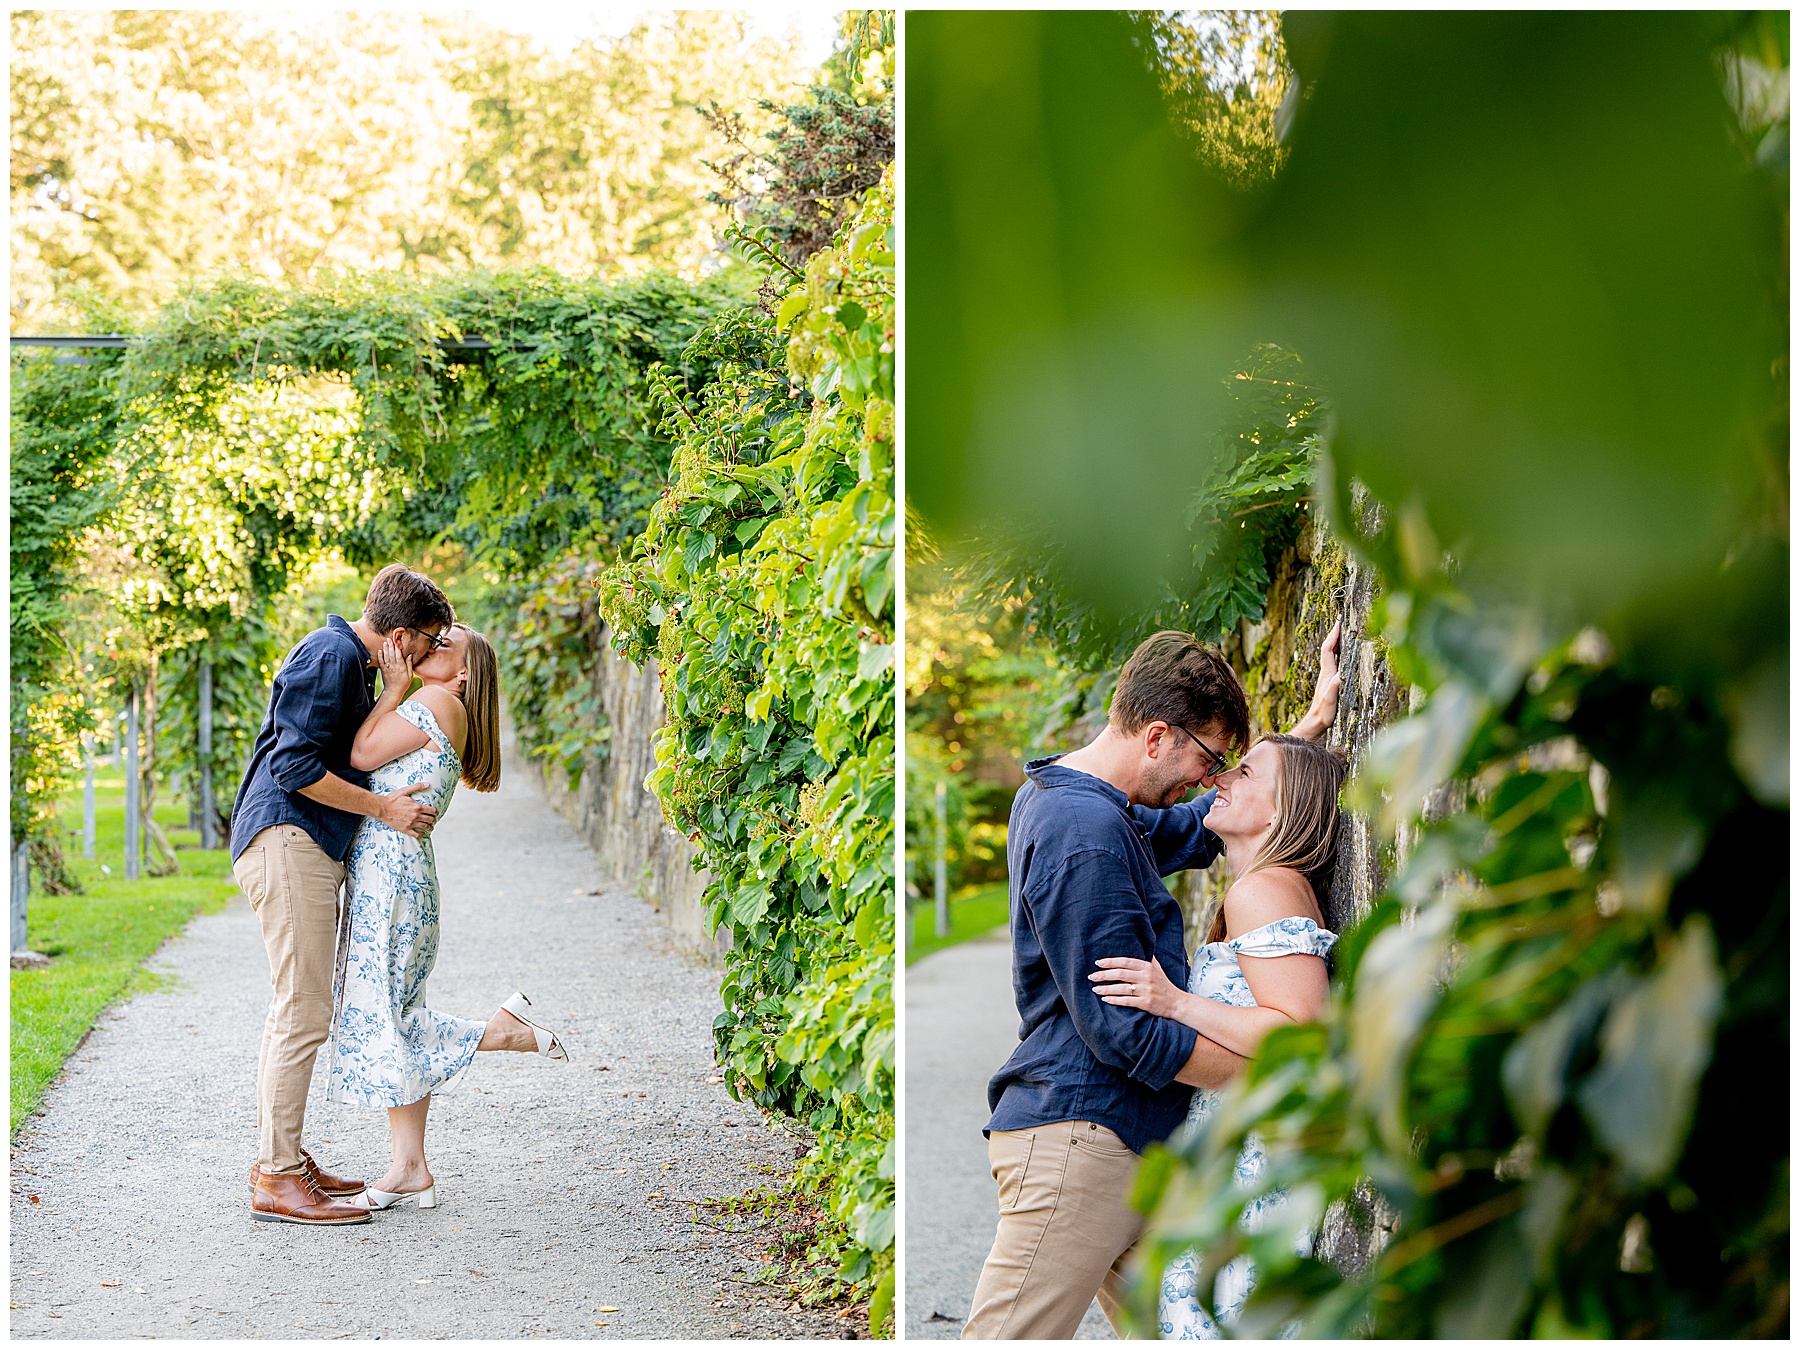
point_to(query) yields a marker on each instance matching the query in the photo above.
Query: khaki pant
(1066, 1232)
(293, 887)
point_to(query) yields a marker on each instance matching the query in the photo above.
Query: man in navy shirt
(297, 810)
(1092, 1084)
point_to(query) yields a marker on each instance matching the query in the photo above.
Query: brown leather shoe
(291, 1197)
(320, 1177)
(326, 1182)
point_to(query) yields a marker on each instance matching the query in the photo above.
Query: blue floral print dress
(388, 1048)
(1217, 975)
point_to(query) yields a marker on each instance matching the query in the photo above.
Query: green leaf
(1535, 1071)
(1655, 836)
(791, 308)
(1656, 1044)
(875, 661)
(1396, 991)
(876, 1232)
(881, 1305)
(749, 903)
(877, 577)
(1758, 707)
(1407, 759)
(867, 922)
(1485, 1294)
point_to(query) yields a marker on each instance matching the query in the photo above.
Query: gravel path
(960, 1027)
(564, 1189)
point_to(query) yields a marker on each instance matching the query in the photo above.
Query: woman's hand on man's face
(396, 666)
(1127, 982)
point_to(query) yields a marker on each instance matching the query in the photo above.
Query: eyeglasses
(1219, 763)
(439, 641)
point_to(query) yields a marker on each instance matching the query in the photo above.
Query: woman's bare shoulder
(1269, 894)
(443, 705)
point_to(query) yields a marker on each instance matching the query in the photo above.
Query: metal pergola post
(209, 833)
(21, 893)
(939, 870)
(87, 798)
(133, 826)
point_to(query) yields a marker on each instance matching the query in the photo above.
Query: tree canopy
(152, 146)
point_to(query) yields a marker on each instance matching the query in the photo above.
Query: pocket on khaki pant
(1011, 1173)
(310, 869)
(251, 871)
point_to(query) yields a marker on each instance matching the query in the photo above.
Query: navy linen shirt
(1086, 880)
(321, 696)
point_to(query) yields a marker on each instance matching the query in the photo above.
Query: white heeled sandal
(548, 1043)
(374, 1199)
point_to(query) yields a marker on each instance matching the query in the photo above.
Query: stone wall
(612, 809)
(1316, 583)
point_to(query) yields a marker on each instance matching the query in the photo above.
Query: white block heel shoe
(548, 1044)
(374, 1199)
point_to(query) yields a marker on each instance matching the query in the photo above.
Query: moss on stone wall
(1316, 582)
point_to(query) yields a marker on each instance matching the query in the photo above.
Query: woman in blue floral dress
(1261, 967)
(389, 1049)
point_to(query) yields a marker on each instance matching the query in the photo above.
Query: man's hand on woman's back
(398, 811)
(404, 812)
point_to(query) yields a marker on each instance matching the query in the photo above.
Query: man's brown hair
(1175, 678)
(401, 598)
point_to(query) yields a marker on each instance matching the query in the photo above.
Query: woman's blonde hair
(481, 700)
(1304, 835)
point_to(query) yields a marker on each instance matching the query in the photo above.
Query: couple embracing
(1121, 1038)
(342, 793)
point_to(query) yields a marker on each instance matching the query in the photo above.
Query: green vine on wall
(764, 588)
(549, 652)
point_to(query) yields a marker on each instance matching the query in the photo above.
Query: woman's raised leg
(506, 1032)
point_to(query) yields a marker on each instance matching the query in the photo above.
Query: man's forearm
(335, 792)
(1211, 1065)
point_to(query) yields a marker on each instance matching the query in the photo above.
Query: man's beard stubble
(1163, 792)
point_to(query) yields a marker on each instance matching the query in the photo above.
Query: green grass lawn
(976, 911)
(98, 940)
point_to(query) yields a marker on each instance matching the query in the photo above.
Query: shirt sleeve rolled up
(306, 706)
(1086, 909)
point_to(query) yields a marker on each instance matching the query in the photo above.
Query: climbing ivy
(550, 647)
(518, 452)
(764, 587)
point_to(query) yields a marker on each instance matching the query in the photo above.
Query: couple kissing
(1121, 1038)
(342, 793)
